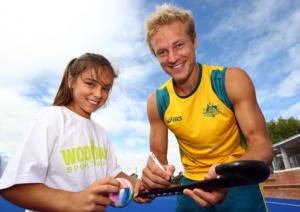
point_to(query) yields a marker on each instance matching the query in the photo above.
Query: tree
(177, 179)
(283, 128)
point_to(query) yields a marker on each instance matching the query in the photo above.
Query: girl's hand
(94, 197)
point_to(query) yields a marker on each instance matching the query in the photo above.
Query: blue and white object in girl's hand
(125, 194)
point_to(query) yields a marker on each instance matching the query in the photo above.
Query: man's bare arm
(158, 131)
(153, 176)
(241, 92)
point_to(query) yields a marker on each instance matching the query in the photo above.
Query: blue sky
(38, 39)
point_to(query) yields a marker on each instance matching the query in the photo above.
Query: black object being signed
(238, 173)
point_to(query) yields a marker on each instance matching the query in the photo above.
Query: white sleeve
(113, 168)
(29, 163)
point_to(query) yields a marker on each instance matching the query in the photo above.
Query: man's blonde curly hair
(167, 14)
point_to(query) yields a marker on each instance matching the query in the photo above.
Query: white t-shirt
(62, 150)
(1, 165)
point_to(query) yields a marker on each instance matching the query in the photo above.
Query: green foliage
(177, 179)
(283, 128)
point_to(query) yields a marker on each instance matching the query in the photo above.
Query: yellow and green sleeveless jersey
(203, 122)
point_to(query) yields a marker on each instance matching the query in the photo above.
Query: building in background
(287, 154)
(285, 181)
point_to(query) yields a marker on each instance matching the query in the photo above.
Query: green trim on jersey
(218, 85)
(162, 101)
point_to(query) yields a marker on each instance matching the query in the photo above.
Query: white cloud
(270, 28)
(269, 36)
(236, 19)
(37, 35)
(275, 40)
(135, 74)
(133, 142)
(123, 114)
(173, 153)
(288, 83)
(292, 111)
(134, 159)
(289, 86)
(16, 113)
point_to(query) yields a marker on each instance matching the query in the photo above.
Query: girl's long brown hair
(74, 68)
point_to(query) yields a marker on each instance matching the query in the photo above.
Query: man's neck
(185, 87)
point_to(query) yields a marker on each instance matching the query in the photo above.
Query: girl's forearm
(38, 197)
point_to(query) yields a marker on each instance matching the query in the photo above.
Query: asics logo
(174, 119)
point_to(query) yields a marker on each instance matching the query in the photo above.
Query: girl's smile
(90, 91)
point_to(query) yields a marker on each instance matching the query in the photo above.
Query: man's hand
(154, 177)
(137, 188)
(204, 198)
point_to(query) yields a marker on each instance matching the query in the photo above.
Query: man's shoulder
(235, 69)
(236, 73)
(239, 84)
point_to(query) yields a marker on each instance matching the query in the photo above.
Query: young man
(208, 108)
